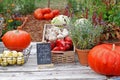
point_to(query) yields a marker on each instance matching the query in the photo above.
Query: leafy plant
(25, 6)
(21, 6)
(1, 7)
(11, 10)
(100, 12)
(113, 14)
(11, 25)
(84, 35)
(14, 24)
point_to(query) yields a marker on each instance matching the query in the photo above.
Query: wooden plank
(30, 71)
(61, 72)
(45, 66)
(65, 70)
(51, 75)
(61, 67)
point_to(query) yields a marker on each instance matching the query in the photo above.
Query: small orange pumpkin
(16, 40)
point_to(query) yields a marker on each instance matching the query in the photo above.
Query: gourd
(105, 59)
(11, 58)
(16, 40)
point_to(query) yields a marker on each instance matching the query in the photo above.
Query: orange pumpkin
(16, 40)
(38, 14)
(105, 59)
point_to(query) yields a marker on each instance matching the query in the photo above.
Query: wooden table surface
(30, 71)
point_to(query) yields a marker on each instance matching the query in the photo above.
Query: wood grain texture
(30, 71)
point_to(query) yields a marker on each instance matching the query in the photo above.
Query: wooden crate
(59, 56)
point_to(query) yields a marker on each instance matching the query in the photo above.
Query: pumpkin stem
(113, 47)
(24, 22)
(19, 28)
(17, 31)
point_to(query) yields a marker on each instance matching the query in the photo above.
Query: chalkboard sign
(43, 53)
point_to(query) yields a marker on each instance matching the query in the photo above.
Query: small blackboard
(43, 53)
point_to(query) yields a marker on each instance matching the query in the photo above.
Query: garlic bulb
(65, 32)
(52, 38)
(59, 36)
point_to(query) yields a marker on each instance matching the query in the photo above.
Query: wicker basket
(63, 57)
(12, 60)
(59, 56)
